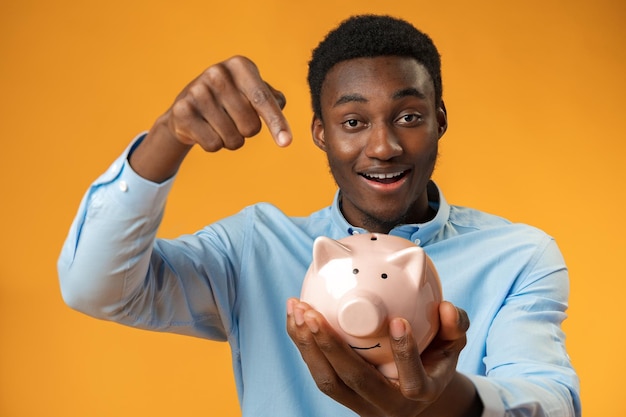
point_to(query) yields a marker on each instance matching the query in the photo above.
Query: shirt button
(417, 242)
(123, 186)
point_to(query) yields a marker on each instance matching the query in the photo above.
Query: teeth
(383, 176)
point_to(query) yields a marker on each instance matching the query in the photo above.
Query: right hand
(219, 109)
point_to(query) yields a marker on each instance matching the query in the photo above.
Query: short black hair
(369, 36)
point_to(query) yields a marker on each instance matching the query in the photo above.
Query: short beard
(385, 225)
(377, 224)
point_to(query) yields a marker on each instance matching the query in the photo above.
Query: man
(378, 115)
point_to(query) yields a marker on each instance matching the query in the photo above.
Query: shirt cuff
(492, 403)
(128, 188)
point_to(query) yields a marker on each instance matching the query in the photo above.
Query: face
(380, 129)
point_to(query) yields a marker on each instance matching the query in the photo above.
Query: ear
(326, 249)
(442, 119)
(411, 261)
(317, 130)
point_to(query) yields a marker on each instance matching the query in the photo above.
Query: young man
(378, 115)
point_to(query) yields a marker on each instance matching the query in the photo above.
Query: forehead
(384, 75)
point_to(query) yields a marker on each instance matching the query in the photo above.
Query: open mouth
(377, 345)
(385, 178)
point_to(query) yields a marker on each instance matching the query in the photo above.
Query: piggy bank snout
(361, 314)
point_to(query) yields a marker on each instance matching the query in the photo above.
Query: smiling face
(380, 129)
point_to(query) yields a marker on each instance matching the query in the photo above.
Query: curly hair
(372, 36)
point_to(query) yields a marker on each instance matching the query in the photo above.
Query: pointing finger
(267, 101)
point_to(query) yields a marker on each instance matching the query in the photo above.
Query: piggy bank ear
(326, 249)
(411, 262)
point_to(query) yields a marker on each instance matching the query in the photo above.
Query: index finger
(263, 98)
(454, 321)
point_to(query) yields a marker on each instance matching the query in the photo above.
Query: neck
(420, 212)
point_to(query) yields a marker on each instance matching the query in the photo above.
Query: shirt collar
(418, 233)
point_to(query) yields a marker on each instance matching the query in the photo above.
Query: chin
(377, 222)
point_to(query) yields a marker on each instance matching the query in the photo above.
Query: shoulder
(267, 219)
(471, 218)
(466, 219)
(494, 236)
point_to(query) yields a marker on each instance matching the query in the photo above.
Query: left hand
(343, 375)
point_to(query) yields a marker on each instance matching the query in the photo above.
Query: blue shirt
(230, 282)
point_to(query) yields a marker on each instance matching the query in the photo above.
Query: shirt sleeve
(111, 266)
(529, 372)
(492, 404)
(116, 221)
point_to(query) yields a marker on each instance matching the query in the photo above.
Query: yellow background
(534, 91)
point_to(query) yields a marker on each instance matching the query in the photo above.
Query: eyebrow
(348, 98)
(406, 92)
(409, 92)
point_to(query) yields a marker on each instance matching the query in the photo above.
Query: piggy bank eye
(384, 276)
(355, 271)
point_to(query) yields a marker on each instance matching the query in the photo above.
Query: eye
(355, 271)
(352, 124)
(384, 276)
(409, 119)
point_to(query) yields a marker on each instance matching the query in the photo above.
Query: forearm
(107, 250)
(111, 259)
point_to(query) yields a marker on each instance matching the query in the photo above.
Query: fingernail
(312, 323)
(397, 329)
(298, 315)
(290, 304)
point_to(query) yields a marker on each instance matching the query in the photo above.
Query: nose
(361, 315)
(383, 144)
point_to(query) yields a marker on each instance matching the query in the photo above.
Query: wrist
(159, 156)
(459, 398)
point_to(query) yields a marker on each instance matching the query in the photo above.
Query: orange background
(535, 98)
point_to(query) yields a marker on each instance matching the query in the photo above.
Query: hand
(219, 109)
(427, 385)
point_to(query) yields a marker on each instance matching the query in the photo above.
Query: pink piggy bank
(362, 281)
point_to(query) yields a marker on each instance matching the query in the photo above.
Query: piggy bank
(362, 281)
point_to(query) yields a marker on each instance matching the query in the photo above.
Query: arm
(528, 371)
(108, 254)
